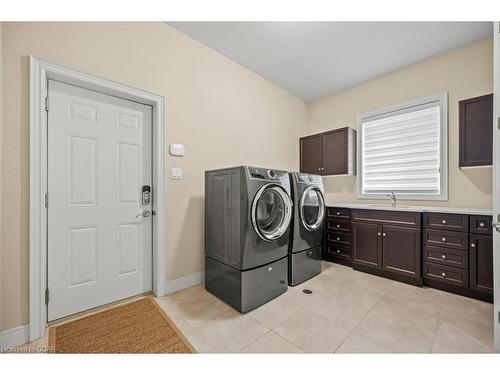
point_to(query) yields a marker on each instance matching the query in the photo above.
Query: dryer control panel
(307, 178)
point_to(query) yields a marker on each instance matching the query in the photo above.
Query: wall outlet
(176, 174)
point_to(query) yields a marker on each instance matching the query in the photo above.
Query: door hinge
(47, 296)
(46, 199)
(47, 103)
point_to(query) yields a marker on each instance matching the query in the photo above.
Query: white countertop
(402, 207)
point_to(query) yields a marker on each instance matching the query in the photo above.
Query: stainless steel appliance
(248, 212)
(304, 260)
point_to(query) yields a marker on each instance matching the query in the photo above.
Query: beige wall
(463, 73)
(223, 113)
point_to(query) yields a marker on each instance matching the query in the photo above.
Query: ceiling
(314, 59)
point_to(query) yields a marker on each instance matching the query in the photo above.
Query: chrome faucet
(393, 198)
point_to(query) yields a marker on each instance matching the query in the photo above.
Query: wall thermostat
(177, 149)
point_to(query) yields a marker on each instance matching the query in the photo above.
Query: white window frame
(442, 100)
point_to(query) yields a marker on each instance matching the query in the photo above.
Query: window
(403, 149)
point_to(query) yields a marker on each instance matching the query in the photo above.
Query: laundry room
(250, 187)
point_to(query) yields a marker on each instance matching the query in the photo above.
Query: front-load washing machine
(248, 212)
(304, 259)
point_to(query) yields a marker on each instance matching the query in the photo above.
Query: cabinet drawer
(338, 251)
(458, 223)
(339, 213)
(339, 225)
(441, 238)
(446, 274)
(399, 218)
(449, 257)
(338, 238)
(480, 224)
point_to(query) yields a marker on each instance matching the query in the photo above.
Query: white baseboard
(14, 337)
(184, 282)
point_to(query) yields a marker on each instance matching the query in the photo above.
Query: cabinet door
(311, 154)
(367, 244)
(476, 131)
(401, 251)
(481, 263)
(335, 152)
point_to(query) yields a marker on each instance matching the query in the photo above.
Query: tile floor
(348, 312)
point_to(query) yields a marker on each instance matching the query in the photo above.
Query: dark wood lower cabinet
(447, 254)
(481, 263)
(367, 245)
(401, 250)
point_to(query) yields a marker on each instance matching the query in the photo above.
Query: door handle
(145, 213)
(496, 226)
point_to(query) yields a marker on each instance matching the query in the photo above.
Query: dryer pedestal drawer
(304, 265)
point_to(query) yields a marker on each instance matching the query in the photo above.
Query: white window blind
(401, 151)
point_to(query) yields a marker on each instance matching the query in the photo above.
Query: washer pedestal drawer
(246, 290)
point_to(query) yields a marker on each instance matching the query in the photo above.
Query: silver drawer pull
(443, 239)
(338, 251)
(383, 234)
(481, 225)
(378, 234)
(338, 238)
(443, 274)
(473, 245)
(443, 221)
(338, 213)
(338, 225)
(443, 256)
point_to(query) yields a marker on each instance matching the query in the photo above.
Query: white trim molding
(13, 337)
(188, 281)
(40, 72)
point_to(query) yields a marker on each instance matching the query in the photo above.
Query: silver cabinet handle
(378, 234)
(443, 256)
(481, 225)
(443, 221)
(443, 239)
(473, 245)
(443, 274)
(338, 226)
(338, 251)
(145, 213)
(338, 213)
(383, 234)
(338, 238)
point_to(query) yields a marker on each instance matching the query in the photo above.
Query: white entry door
(99, 158)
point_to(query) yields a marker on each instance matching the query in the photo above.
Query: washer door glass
(312, 208)
(271, 212)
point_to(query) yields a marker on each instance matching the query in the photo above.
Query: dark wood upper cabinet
(476, 131)
(311, 154)
(329, 153)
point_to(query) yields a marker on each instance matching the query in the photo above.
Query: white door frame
(496, 184)
(40, 72)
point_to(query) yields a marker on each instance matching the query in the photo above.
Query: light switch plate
(176, 174)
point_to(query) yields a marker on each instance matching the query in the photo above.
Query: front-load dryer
(307, 227)
(248, 212)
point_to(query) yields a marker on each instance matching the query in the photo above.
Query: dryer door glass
(312, 208)
(271, 212)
